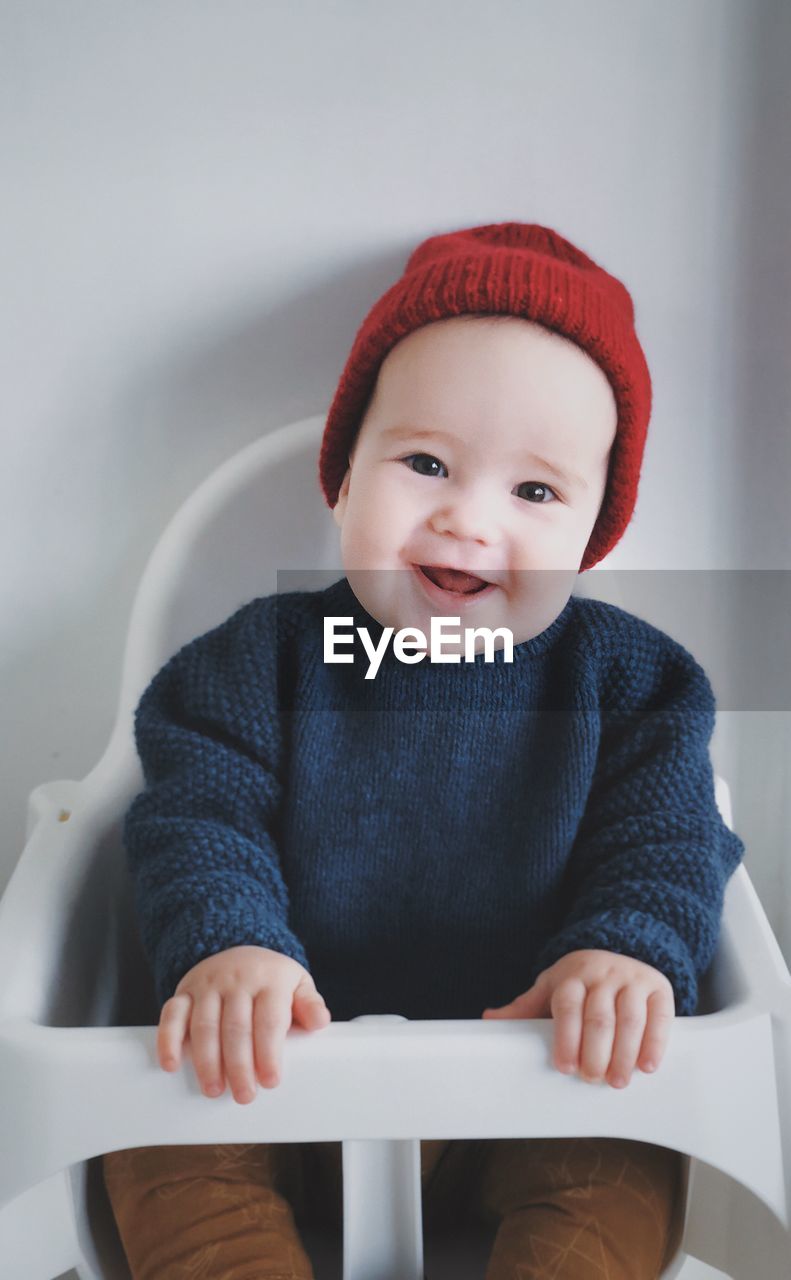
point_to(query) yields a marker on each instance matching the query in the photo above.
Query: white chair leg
(37, 1232)
(733, 1230)
(382, 1208)
(382, 1211)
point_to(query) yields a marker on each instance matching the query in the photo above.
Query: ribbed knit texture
(427, 842)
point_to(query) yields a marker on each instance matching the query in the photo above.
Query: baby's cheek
(375, 533)
(365, 548)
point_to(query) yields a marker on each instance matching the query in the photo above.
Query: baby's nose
(473, 519)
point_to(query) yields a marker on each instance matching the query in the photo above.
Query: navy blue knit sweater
(428, 841)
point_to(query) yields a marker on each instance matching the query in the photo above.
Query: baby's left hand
(612, 1012)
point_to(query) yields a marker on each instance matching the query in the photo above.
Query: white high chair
(75, 1083)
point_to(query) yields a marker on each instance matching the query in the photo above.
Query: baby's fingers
(237, 1044)
(567, 1004)
(173, 1023)
(271, 1021)
(630, 1005)
(205, 1041)
(661, 1013)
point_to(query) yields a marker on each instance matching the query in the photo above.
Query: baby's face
(484, 449)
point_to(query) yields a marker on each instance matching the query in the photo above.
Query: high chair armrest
(50, 799)
(74, 1093)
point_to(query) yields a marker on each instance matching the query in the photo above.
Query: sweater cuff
(635, 934)
(194, 936)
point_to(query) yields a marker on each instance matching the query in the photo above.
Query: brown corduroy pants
(565, 1208)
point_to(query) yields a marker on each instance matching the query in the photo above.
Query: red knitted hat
(519, 269)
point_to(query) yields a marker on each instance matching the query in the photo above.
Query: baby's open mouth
(453, 579)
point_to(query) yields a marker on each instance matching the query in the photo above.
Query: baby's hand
(615, 1009)
(236, 1007)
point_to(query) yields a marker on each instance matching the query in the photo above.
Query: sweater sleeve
(200, 837)
(647, 872)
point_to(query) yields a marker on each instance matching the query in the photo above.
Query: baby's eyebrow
(568, 477)
(425, 433)
(419, 433)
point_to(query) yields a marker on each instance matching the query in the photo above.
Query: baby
(523, 833)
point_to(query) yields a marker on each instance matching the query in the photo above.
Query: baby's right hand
(236, 1008)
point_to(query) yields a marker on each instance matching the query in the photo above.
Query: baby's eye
(424, 463)
(531, 486)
